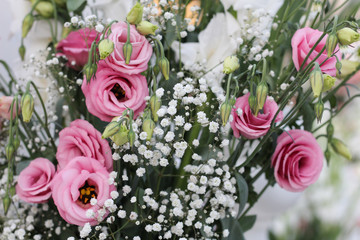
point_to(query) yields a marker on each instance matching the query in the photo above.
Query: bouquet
(157, 124)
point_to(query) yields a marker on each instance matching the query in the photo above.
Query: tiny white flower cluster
(90, 21)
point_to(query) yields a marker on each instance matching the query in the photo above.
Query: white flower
(140, 172)
(169, 136)
(179, 120)
(85, 231)
(165, 122)
(187, 126)
(183, 34)
(156, 227)
(159, 92)
(213, 127)
(133, 216)
(143, 135)
(164, 162)
(99, 27)
(171, 110)
(121, 214)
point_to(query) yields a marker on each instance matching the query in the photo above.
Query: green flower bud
(22, 52)
(164, 67)
(106, 47)
(155, 104)
(131, 136)
(9, 151)
(340, 148)
(27, 106)
(316, 80)
(329, 82)
(319, 109)
(45, 9)
(65, 32)
(327, 155)
(331, 43)
(89, 71)
(348, 67)
(27, 24)
(156, 70)
(121, 137)
(146, 28)
(127, 50)
(338, 67)
(252, 103)
(112, 128)
(16, 143)
(231, 64)
(261, 95)
(148, 127)
(6, 203)
(135, 14)
(330, 131)
(347, 36)
(225, 111)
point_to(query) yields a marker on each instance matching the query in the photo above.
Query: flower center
(86, 193)
(118, 92)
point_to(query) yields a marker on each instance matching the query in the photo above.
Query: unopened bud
(89, 71)
(27, 24)
(121, 137)
(22, 51)
(316, 80)
(112, 128)
(16, 143)
(45, 9)
(338, 67)
(347, 36)
(155, 104)
(330, 131)
(225, 111)
(348, 67)
(252, 103)
(27, 106)
(331, 43)
(340, 148)
(135, 14)
(148, 127)
(327, 155)
(9, 151)
(127, 50)
(164, 67)
(261, 95)
(6, 203)
(12, 191)
(146, 28)
(329, 82)
(106, 47)
(231, 64)
(319, 109)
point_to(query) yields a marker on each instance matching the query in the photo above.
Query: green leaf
(73, 5)
(243, 191)
(247, 222)
(234, 228)
(333, 101)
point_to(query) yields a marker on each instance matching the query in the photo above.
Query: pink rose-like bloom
(111, 92)
(248, 125)
(297, 160)
(302, 42)
(74, 186)
(76, 47)
(34, 182)
(5, 104)
(82, 139)
(141, 50)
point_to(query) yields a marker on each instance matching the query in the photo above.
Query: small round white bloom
(195, 142)
(121, 214)
(99, 27)
(140, 172)
(159, 92)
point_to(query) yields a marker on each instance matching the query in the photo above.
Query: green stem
(194, 133)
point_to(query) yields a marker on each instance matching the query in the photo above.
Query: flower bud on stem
(127, 48)
(340, 148)
(316, 80)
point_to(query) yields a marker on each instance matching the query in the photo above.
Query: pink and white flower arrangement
(152, 130)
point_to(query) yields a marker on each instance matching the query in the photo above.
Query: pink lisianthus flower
(82, 139)
(5, 104)
(297, 160)
(34, 182)
(111, 92)
(141, 50)
(76, 47)
(75, 185)
(246, 124)
(302, 42)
